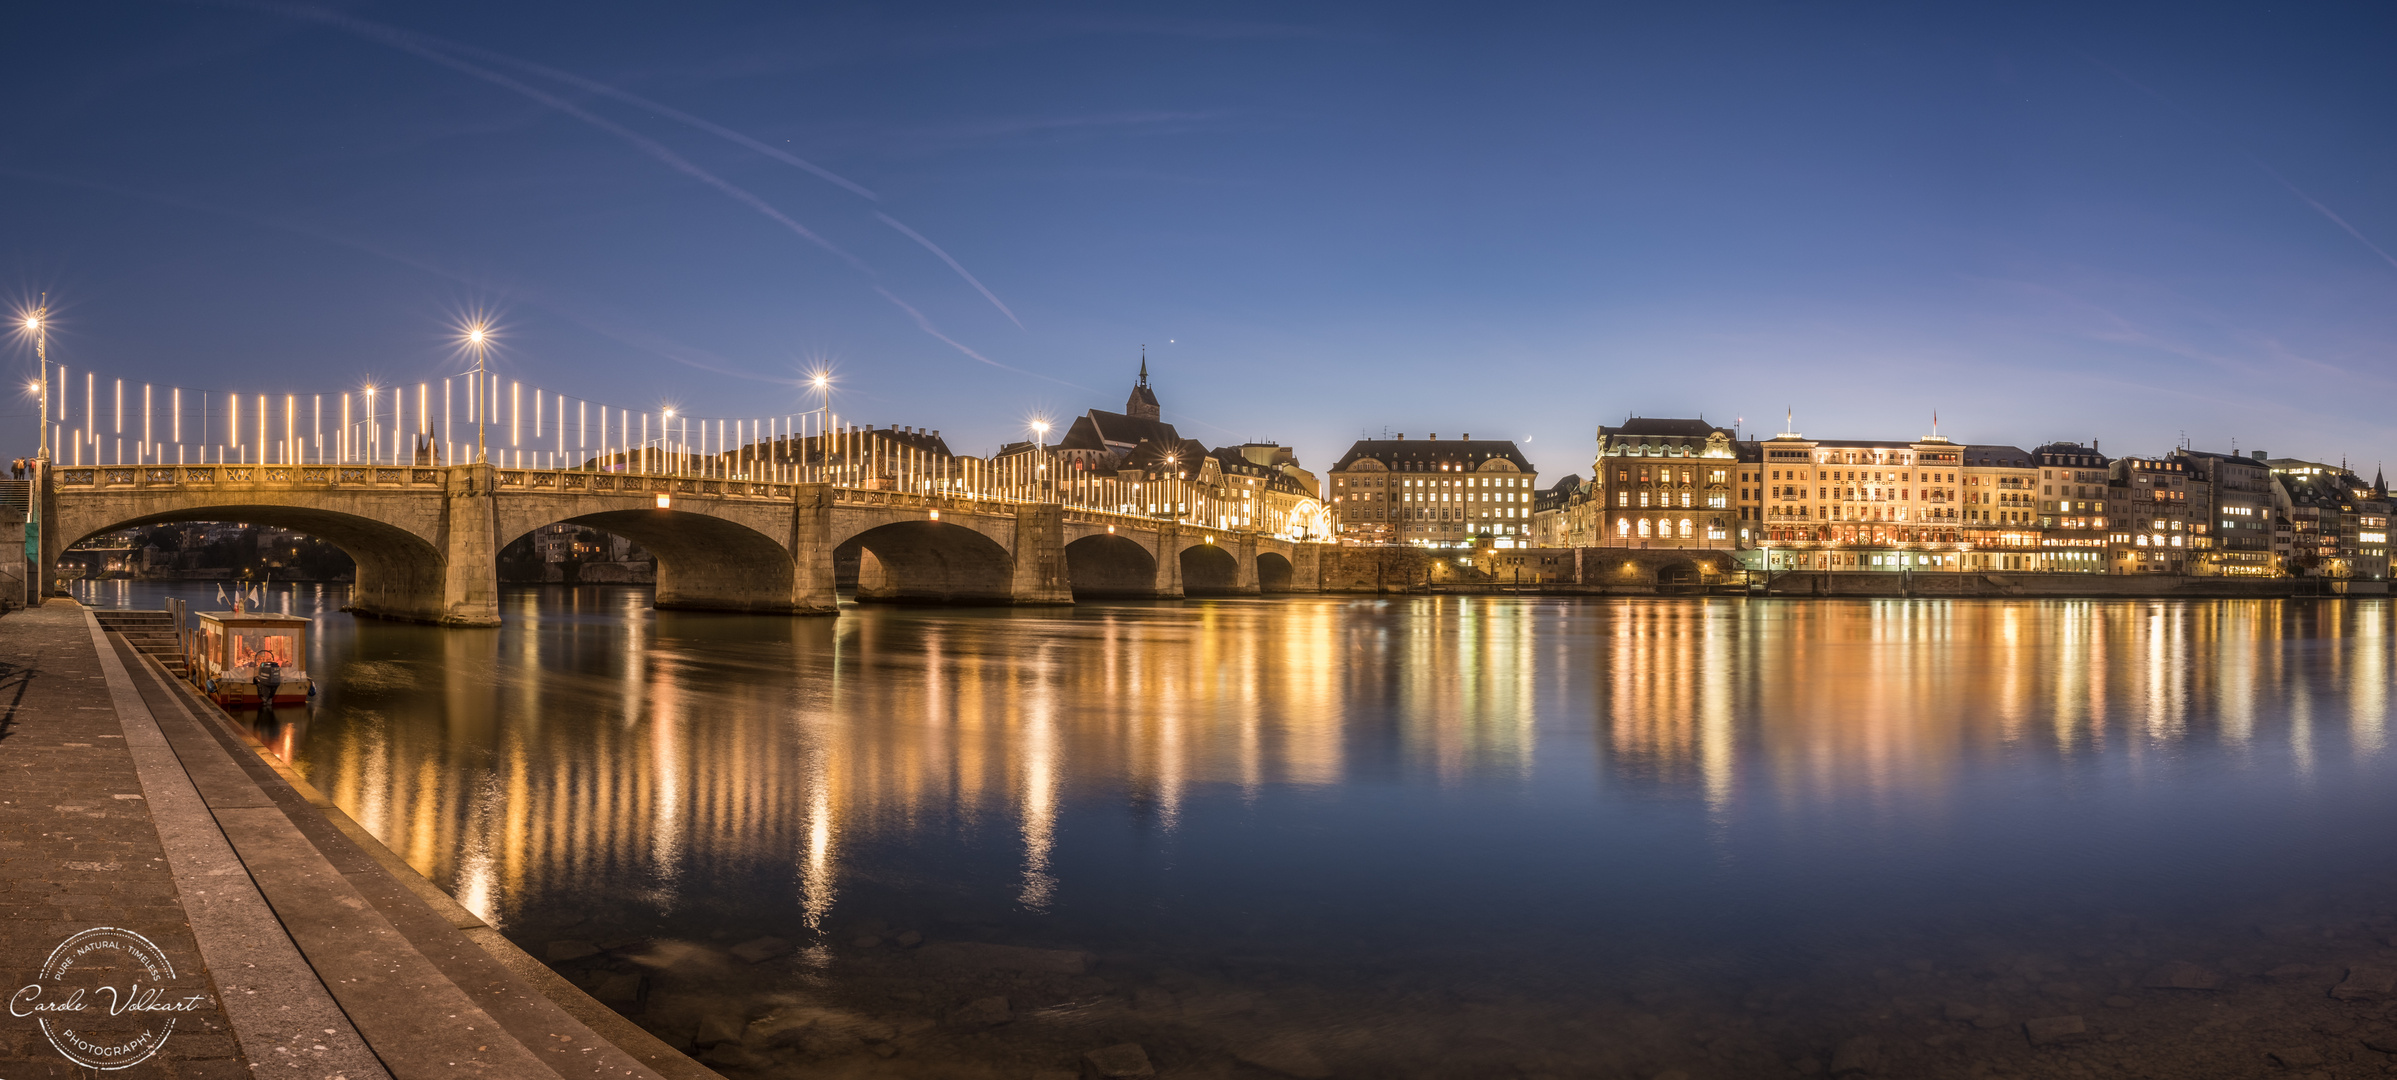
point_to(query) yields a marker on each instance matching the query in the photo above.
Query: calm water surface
(1430, 836)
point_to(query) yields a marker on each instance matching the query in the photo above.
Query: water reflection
(1384, 799)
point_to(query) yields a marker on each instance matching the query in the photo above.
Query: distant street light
(1040, 458)
(478, 338)
(822, 381)
(39, 323)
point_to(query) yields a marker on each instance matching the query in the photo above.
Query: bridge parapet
(420, 477)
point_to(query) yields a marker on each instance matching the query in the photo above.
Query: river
(1437, 836)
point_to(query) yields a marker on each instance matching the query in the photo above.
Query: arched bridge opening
(928, 562)
(1110, 566)
(398, 573)
(703, 562)
(1209, 570)
(576, 553)
(1274, 572)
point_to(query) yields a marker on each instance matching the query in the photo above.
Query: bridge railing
(577, 481)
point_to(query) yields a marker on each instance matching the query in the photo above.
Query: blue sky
(2138, 224)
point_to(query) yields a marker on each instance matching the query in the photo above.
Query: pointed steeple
(2380, 487)
(1142, 405)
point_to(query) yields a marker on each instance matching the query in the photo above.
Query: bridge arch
(1104, 565)
(1209, 570)
(1274, 572)
(400, 573)
(922, 561)
(704, 562)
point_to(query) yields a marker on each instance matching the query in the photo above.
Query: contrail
(2258, 162)
(404, 42)
(637, 101)
(926, 325)
(655, 107)
(944, 257)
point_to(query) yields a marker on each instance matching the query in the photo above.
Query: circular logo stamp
(107, 998)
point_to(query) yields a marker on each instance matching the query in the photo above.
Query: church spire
(1142, 405)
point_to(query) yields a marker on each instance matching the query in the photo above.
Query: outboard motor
(270, 679)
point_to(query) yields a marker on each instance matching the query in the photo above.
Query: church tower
(1142, 405)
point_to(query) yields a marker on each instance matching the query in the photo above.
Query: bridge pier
(814, 585)
(1169, 560)
(470, 556)
(1306, 568)
(1040, 572)
(1244, 551)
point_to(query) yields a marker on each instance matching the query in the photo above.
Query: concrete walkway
(125, 802)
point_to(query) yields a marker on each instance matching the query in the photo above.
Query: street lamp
(374, 430)
(478, 337)
(39, 323)
(822, 381)
(666, 439)
(1040, 457)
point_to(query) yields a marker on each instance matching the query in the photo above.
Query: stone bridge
(427, 539)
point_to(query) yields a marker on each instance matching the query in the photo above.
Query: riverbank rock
(2051, 1030)
(1285, 1054)
(1861, 1054)
(975, 955)
(2289, 973)
(2182, 976)
(982, 1012)
(760, 950)
(718, 1029)
(2296, 1057)
(1123, 1061)
(2366, 984)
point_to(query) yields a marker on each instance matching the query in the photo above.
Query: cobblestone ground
(77, 846)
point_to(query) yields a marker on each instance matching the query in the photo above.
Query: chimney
(1468, 436)
(1435, 436)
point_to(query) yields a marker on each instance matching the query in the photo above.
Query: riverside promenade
(148, 855)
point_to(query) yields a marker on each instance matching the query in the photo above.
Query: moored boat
(248, 658)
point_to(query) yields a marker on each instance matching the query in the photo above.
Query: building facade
(2339, 523)
(2072, 507)
(1432, 492)
(1861, 504)
(1665, 483)
(2147, 510)
(2235, 516)
(1998, 503)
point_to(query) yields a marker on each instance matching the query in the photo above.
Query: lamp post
(478, 338)
(823, 384)
(39, 323)
(666, 441)
(374, 430)
(1040, 458)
